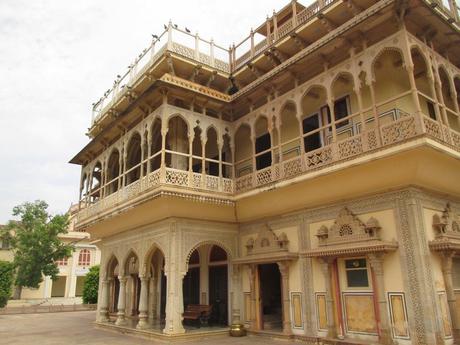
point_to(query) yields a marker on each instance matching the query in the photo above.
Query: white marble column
(143, 303)
(174, 303)
(104, 309)
(236, 295)
(121, 302)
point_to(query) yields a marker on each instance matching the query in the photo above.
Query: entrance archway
(206, 284)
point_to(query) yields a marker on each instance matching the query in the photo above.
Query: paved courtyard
(77, 328)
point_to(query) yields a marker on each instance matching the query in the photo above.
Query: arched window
(84, 258)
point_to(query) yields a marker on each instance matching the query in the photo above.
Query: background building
(69, 285)
(303, 182)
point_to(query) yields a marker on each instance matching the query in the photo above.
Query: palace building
(303, 183)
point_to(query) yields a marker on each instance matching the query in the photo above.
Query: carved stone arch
(109, 261)
(199, 242)
(425, 57)
(208, 127)
(129, 252)
(442, 66)
(283, 106)
(152, 247)
(170, 116)
(310, 87)
(340, 73)
(383, 50)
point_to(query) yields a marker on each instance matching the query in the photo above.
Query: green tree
(6, 281)
(91, 285)
(36, 244)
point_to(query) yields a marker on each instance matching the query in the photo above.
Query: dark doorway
(136, 294)
(191, 287)
(218, 294)
(115, 294)
(163, 295)
(270, 297)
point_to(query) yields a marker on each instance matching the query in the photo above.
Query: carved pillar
(359, 97)
(374, 105)
(121, 302)
(149, 152)
(125, 157)
(164, 132)
(236, 295)
(284, 270)
(120, 168)
(330, 104)
(447, 275)
(190, 157)
(104, 311)
(438, 87)
(326, 267)
(252, 284)
(414, 92)
(141, 168)
(435, 97)
(376, 263)
(174, 276)
(174, 304)
(203, 160)
(143, 303)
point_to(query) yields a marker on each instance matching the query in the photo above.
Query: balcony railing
(207, 52)
(160, 177)
(403, 128)
(174, 40)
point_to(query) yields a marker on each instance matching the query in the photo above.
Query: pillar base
(121, 321)
(174, 331)
(143, 323)
(104, 316)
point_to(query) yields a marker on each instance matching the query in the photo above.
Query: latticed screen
(84, 258)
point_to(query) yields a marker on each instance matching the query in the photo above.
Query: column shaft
(121, 302)
(143, 303)
(284, 270)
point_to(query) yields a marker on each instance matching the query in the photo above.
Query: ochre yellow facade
(303, 183)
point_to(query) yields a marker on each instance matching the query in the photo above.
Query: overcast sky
(57, 57)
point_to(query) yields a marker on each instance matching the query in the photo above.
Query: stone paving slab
(77, 328)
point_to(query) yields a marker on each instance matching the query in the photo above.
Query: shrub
(91, 285)
(6, 282)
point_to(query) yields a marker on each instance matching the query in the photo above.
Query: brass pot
(237, 330)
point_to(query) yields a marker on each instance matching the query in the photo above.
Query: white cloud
(57, 57)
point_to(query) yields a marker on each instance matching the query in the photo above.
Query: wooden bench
(198, 312)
